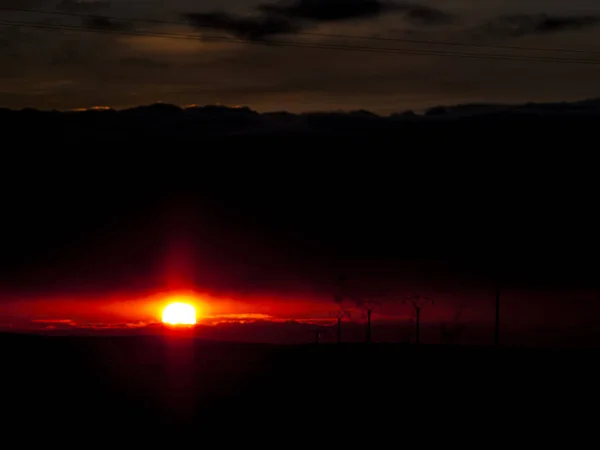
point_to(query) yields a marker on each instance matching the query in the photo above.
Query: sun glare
(179, 314)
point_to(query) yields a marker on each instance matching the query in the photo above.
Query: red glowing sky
(307, 304)
(234, 274)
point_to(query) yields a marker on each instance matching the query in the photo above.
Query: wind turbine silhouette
(418, 301)
(368, 306)
(340, 315)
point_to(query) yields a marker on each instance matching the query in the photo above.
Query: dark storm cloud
(248, 28)
(536, 24)
(281, 18)
(327, 10)
(333, 10)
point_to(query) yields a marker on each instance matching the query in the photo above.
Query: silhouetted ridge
(192, 123)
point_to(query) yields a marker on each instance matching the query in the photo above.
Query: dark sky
(60, 69)
(312, 216)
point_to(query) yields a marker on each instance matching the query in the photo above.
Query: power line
(292, 44)
(327, 35)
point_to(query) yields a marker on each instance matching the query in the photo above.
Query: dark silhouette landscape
(442, 126)
(153, 388)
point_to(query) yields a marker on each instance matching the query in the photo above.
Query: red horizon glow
(175, 283)
(132, 311)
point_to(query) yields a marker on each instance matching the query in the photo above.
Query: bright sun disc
(179, 314)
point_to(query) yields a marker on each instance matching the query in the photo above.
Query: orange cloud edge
(213, 320)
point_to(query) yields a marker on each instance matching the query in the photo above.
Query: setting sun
(179, 314)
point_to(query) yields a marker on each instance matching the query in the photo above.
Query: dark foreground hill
(147, 387)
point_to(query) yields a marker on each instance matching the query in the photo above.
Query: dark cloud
(281, 18)
(328, 10)
(525, 25)
(335, 10)
(248, 28)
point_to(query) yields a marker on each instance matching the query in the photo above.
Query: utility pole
(497, 323)
(418, 301)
